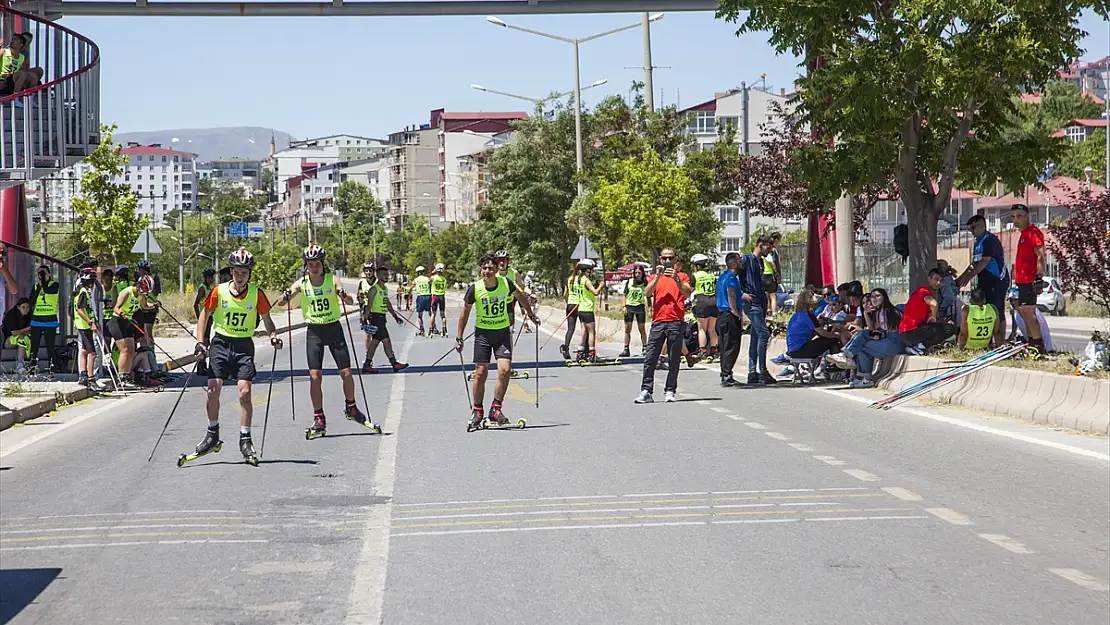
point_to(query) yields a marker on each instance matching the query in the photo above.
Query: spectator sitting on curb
(979, 323)
(806, 337)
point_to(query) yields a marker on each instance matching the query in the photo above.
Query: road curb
(36, 405)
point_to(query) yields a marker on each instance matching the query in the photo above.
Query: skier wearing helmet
(126, 331)
(236, 306)
(705, 307)
(422, 286)
(146, 317)
(321, 310)
(439, 298)
(374, 322)
(505, 271)
(84, 321)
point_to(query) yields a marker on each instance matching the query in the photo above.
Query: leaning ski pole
(536, 360)
(269, 393)
(462, 368)
(556, 330)
(444, 356)
(292, 387)
(351, 335)
(955, 375)
(175, 405)
(928, 381)
(175, 320)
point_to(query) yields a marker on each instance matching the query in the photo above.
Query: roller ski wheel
(319, 428)
(520, 424)
(356, 415)
(246, 447)
(518, 375)
(210, 445)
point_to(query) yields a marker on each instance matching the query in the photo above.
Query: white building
(162, 179)
(462, 134)
(747, 110)
(350, 147)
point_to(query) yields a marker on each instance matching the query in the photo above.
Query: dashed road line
(902, 493)
(831, 461)
(863, 475)
(735, 417)
(1081, 579)
(96, 514)
(702, 402)
(719, 409)
(801, 447)
(777, 436)
(1007, 543)
(136, 543)
(572, 497)
(950, 515)
(755, 426)
(624, 502)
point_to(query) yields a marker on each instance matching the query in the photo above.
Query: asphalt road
(769, 505)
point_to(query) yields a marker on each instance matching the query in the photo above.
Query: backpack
(902, 241)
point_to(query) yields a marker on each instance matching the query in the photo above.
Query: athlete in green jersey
(439, 298)
(236, 306)
(979, 323)
(321, 311)
(126, 331)
(587, 302)
(490, 297)
(375, 293)
(88, 330)
(422, 286)
(705, 306)
(635, 308)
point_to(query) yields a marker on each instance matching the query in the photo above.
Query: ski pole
(556, 330)
(445, 355)
(175, 320)
(175, 405)
(926, 382)
(269, 393)
(462, 368)
(292, 387)
(953, 376)
(536, 360)
(361, 384)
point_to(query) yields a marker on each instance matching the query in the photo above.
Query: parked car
(1051, 299)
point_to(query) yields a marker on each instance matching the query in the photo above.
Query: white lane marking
(755, 426)
(801, 447)
(95, 514)
(753, 521)
(312, 567)
(97, 528)
(704, 492)
(703, 402)
(950, 515)
(1081, 579)
(567, 498)
(831, 461)
(735, 417)
(367, 596)
(862, 475)
(62, 425)
(777, 436)
(866, 518)
(570, 497)
(466, 501)
(902, 493)
(406, 519)
(719, 409)
(134, 543)
(813, 503)
(1007, 543)
(1079, 451)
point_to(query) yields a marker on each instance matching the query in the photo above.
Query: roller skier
(493, 336)
(439, 298)
(321, 311)
(236, 307)
(374, 295)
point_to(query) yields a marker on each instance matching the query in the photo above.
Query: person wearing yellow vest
(705, 306)
(512, 275)
(44, 316)
(635, 308)
(321, 310)
(422, 286)
(236, 305)
(376, 307)
(439, 298)
(84, 321)
(147, 317)
(772, 274)
(572, 314)
(493, 336)
(979, 323)
(587, 301)
(125, 331)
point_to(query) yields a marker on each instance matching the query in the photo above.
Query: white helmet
(586, 262)
(439, 266)
(420, 269)
(699, 258)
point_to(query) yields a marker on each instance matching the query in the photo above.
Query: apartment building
(350, 147)
(461, 134)
(163, 180)
(235, 171)
(414, 175)
(1091, 77)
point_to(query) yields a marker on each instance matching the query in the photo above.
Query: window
(882, 211)
(730, 244)
(703, 122)
(1077, 133)
(728, 121)
(729, 214)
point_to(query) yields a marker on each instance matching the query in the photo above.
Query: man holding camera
(668, 291)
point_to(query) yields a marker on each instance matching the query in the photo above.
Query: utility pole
(44, 204)
(649, 88)
(745, 139)
(181, 248)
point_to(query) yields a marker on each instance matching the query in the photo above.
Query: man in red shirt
(668, 291)
(1028, 267)
(919, 327)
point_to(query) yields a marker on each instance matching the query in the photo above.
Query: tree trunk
(921, 220)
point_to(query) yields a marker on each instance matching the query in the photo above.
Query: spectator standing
(668, 290)
(772, 274)
(728, 317)
(988, 265)
(1028, 270)
(45, 304)
(754, 304)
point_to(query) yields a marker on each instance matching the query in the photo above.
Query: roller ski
(590, 359)
(319, 427)
(246, 447)
(354, 414)
(210, 445)
(513, 375)
(496, 419)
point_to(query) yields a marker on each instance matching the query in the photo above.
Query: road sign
(237, 229)
(146, 244)
(256, 230)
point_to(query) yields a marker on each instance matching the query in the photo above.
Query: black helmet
(209, 272)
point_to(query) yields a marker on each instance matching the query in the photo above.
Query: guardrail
(57, 123)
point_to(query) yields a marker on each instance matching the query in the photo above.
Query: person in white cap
(587, 298)
(422, 286)
(439, 298)
(705, 307)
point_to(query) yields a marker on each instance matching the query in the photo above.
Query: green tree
(716, 171)
(229, 205)
(452, 247)
(922, 89)
(106, 208)
(1060, 103)
(356, 204)
(653, 204)
(1082, 154)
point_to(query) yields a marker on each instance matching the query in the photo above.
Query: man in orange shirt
(236, 307)
(668, 291)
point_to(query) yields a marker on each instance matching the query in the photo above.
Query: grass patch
(14, 389)
(180, 306)
(1083, 307)
(1056, 363)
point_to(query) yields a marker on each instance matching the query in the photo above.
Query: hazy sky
(372, 76)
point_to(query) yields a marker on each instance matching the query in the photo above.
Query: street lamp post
(577, 80)
(539, 102)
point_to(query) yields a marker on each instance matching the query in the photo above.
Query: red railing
(57, 123)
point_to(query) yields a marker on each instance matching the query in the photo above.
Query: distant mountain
(209, 144)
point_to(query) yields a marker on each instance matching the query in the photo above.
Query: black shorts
(231, 358)
(330, 335)
(378, 321)
(85, 338)
(705, 307)
(145, 317)
(635, 313)
(1027, 295)
(439, 302)
(586, 317)
(489, 343)
(423, 303)
(995, 292)
(122, 328)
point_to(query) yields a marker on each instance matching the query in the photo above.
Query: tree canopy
(105, 208)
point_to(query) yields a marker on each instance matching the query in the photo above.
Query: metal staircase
(56, 124)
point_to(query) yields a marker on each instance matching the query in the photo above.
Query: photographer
(668, 290)
(44, 315)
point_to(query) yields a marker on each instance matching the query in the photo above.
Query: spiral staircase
(57, 124)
